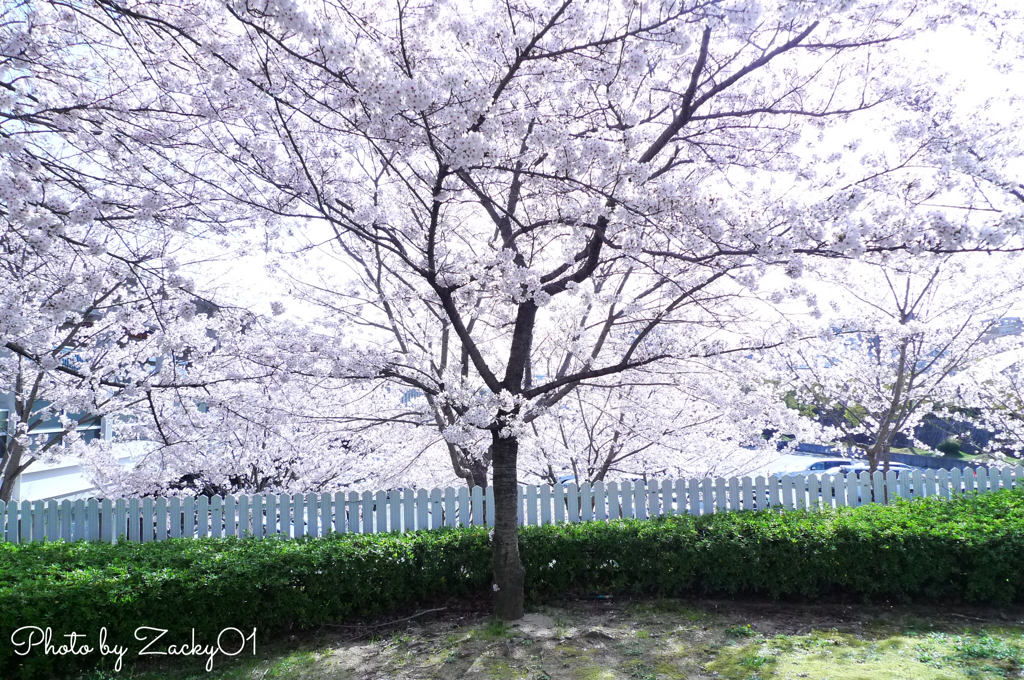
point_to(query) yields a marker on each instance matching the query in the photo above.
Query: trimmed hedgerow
(212, 584)
(968, 549)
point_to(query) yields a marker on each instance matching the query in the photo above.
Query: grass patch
(495, 629)
(744, 631)
(937, 656)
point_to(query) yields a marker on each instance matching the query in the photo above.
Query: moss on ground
(971, 654)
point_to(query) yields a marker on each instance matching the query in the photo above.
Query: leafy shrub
(950, 448)
(966, 548)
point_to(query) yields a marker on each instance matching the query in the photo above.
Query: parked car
(815, 466)
(861, 466)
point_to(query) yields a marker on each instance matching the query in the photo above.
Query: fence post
(572, 501)
(12, 522)
(118, 526)
(839, 490)
(38, 518)
(477, 499)
(877, 487)
(26, 522)
(188, 517)
(106, 520)
(733, 502)
(600, 501)
(586, 502)
(161, 519)
(545, 504)
(230, 512)
(760, 493)
(707, 497)
(297, 515)
(558, 491)
(435, 509)
(395, 508)
(268, 515)
(917, 484)
(422, 509)
(311, 512)
(970, 479)
(449, 506)
(789, 492)
(981, 479)
(624, 500)
(52, 521)
(670, 496)
(202, 516)
(531, 504)
(942, 479)
(614, 508)
(76, 516)
(410, 510)
(92, 520)
(652, 496)
(463, 516)
(956, 481)
(640, 499)
(146, 534)
(627, 493)
(891, 487)
(337, 513)
(244, 521)
(381, 512)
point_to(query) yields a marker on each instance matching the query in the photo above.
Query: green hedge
(969, 549)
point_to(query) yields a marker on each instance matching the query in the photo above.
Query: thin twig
(387, 624)
(972, 618)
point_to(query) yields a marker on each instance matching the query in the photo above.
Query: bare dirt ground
(653, 640)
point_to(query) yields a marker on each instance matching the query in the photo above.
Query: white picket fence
(155, 519)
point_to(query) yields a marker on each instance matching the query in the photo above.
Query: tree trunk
(509, 575)
(10, 466)
(872, 453)
(478, 472)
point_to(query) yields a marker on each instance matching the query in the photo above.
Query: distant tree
(998, 385)
(898, 351)
(100, 317)
(706, 421)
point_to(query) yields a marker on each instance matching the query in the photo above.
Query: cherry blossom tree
(691, 423)
(572, 179)
(343, 305)
(91, 295)
(707, 419)
(906, 336)
(238, 440)
(1002, 396)
(100, 234)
